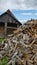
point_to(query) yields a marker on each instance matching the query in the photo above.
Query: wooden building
(8, 23)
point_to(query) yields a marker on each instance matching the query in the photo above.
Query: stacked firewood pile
(21, 47)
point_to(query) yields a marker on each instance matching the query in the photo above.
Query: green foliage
(1, 39)
(3, 61)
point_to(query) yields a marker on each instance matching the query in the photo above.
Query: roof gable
(10, 14)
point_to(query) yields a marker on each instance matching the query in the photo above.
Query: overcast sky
(22, 9)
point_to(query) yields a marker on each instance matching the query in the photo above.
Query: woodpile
(20, 48)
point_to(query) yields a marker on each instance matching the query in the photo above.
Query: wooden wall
(1, 29)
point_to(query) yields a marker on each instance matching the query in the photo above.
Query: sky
(22, 9)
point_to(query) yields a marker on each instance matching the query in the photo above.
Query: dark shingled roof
(12, 15)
